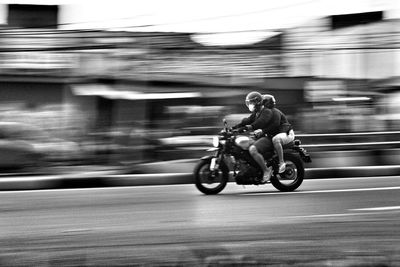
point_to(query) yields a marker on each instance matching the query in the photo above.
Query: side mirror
(225, 124)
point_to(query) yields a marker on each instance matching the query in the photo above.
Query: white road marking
(381, 167)
(352, 178)
(231, 184)
(90, 188)
(371, 212)
(378, 208)
(166, 174)
(331, 191)
(28, 179)
(77, 230)
(329, 215)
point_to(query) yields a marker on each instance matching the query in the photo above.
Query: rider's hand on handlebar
(241, 129)
(249, 128)
(245, 129)
(258, 133)
(226, 130)
(235, 131)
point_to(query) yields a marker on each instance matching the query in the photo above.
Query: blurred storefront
(388, 105)
(115, 85)
(349, 58)
(35, 70)
(155, 71)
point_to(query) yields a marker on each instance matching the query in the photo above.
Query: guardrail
(201, 141)
(355, 134)
(354, 146)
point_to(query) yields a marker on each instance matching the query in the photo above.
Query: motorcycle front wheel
(293, 176)
(210, 182)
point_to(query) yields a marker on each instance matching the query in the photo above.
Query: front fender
(209, 157)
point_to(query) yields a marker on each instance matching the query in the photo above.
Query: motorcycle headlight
(215, 141)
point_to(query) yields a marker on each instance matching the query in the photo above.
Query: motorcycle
(233, 160)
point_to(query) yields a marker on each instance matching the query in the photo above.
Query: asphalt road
(331, 222)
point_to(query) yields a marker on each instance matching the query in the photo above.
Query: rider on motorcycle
(263, 122)
(286, 133)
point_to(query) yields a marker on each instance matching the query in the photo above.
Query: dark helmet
(268, 101)
(254, 98)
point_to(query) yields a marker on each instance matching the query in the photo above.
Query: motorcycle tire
(207, 183)
(293, 176)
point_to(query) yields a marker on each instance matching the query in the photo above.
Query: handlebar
(230, 131)
(234, 132)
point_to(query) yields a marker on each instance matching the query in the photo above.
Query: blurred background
(136, 89)
(91, 83)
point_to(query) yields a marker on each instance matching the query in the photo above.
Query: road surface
(330, 222)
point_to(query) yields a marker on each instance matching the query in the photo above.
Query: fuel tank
(244, 142)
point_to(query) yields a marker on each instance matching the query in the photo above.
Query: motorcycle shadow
(251, 191)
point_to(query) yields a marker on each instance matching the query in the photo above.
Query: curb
(115, 179)
(148, 179)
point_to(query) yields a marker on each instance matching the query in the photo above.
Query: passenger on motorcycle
(263, 122)
(285, 133)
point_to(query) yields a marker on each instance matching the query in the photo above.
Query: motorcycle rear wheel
(293, 176)
(208, 182)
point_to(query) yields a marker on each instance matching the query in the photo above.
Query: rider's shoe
(282, 167)
(267, 176)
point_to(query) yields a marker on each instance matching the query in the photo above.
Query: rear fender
(304, 155)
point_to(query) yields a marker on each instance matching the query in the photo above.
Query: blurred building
(350, 59)
(163, 83)
(35, 66)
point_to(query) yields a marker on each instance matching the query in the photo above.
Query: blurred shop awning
(151, 92)
(111, 92)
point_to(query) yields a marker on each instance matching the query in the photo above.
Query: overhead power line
(234, 15)
(54, 26)
(272, 9)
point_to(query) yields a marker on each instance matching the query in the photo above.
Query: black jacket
(265, 119)
(270, 121)
(284, 125)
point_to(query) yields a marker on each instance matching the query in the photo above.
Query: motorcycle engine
(247, 174)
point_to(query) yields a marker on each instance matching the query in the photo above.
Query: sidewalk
(157, 173)
(57, 177)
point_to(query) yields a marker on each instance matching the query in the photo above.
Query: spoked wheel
(293, 176)
(210, 182)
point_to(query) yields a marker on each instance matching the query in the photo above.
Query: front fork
(220, 158)
(214, 164)
(216, 161)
